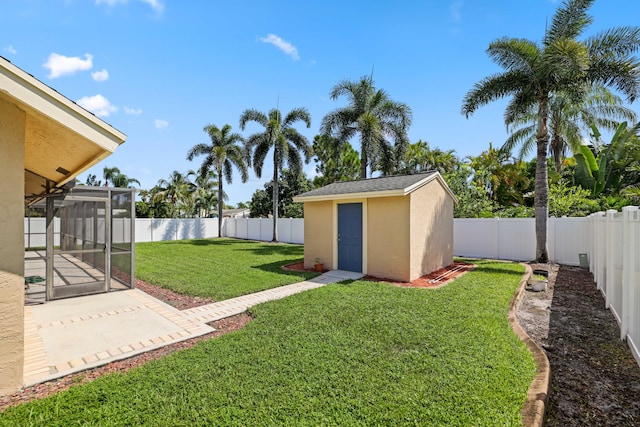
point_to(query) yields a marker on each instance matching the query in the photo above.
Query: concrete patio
(71, 335)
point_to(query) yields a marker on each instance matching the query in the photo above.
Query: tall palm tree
(567, 121)
(222, 155)
(287, 145)
(372, 114)
(535, 72)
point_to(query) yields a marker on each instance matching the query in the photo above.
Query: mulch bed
(595, 381)
(433, 280)
(298, 266)
(179, 301)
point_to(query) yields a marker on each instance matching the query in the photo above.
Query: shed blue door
(350, 237)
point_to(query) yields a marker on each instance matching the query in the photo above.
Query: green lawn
(218, 268)
(362, 353)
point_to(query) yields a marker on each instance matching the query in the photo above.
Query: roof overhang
(62, 139)
(387, 193)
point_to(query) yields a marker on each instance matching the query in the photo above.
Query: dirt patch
(595, 381)
(179, 301)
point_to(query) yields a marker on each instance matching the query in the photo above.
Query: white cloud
(156, 5)
(110, 2)
(98, 105)
(100, 76)
(283, 45)
(132, 111)
(160, 124)
(10, 49)
(456, 11)
(60, 65)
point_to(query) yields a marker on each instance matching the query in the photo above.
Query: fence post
(609, 258)
(628, 268)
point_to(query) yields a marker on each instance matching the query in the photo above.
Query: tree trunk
(275, 200)
(219, 202)
(556, 150)
(363, 163)
(542, 185)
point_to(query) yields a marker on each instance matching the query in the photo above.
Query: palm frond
(569, 21)
(492, 88)
(253, 115)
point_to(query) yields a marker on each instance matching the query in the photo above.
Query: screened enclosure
(89, 236)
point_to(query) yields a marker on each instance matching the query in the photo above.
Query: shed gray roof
(373, 187)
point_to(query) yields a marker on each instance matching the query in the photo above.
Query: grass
(218, 268)
(362, 353)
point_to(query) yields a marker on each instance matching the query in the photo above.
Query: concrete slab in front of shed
(334, 276)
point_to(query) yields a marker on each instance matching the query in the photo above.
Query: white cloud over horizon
(160, 124)
(10, 49)
(132, 111)
(98, 105)
(100, 76)
(281, 44)
(60, 65)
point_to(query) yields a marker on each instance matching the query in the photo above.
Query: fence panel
(516, 239)
(266, 230)
(614, 250)
(284, 230)
(567, 239)
(475, 237)
(297, 231)
(35, 232)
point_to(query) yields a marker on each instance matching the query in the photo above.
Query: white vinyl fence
(290, 230)
(146, 230)
(515, 238)
(614, 252)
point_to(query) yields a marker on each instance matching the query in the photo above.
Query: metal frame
(79, 205)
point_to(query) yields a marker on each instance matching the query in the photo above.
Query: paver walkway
(70, 335)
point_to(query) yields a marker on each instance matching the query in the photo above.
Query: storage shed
(396, 227)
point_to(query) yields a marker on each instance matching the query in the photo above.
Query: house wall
(12, 134)
(318, 233)
(388, 237)
(431, 229)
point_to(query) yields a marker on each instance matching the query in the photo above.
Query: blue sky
(160, 70)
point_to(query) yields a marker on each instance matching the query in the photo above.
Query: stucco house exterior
(46, 140)
(397, 227)
(236, 213)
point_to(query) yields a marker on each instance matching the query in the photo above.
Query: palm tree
(419, 157)
(535, 72)
(205, 193)
(177, 190)
(117, 178)
(222, 154)
(287, 145)
(567, 119)
(373, 115)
